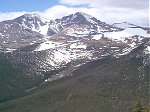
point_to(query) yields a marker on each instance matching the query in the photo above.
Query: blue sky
(26, 5)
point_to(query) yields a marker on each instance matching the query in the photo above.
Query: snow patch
(77, 46)
(10, 50)
(147, 50)
(47, 45)
(97, 37)
(43, 29)
(124, 25)
(121, 35)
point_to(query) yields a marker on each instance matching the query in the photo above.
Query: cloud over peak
(110, 11)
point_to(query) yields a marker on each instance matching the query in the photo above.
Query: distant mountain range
(31, 28)
(60, 41)
(38, 50)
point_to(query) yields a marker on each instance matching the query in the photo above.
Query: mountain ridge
(32, 25)
(48, 51)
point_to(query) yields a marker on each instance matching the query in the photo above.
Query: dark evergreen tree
(139, 107)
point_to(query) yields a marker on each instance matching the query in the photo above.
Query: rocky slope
(37, 46)
(103, 85)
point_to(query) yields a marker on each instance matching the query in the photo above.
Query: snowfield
(77, 46)
(47, 45)
(121, 35)
(97, 37)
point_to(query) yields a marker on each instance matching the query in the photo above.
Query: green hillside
(14, 82)
(111, 85)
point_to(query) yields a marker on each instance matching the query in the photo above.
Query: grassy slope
(14, 82)
(114, 86)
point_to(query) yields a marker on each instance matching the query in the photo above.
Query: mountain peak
(31, 21)
(78, 18)
(31, 17)
(28, 16)
(84, 14)
(124, 25)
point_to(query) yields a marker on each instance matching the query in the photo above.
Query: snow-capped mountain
(31, 21)
(81, 24)
(31, 28)
(124, 25)
(22, 31)
(43, 45)
(96, 56)
(34, 22)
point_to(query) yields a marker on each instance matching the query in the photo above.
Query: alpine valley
(73, 64)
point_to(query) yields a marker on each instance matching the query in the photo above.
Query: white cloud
(57, 11)
(108, 15)
(135, 11)
(138, 4)
(10, 15)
